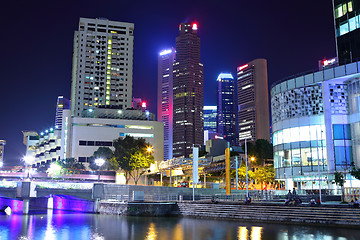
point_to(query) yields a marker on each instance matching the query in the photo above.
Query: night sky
(37, 40)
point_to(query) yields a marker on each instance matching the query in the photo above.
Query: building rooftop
(118, 114)
(312, 77)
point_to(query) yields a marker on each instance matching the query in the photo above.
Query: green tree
(242, 175)
(265, 174)
(70, 165)
(55, 170)
(339, 180)
(355, 172)
(106, 154)
(129, 152)
(139, 162)
(261, 149)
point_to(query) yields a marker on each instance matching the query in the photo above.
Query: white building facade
(81, 137)
(316, 127)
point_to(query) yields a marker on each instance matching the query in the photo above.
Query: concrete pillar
(161, 174)
(26, 206)
(204, 180)
(96, 205)
(170, 177)
(50, 203)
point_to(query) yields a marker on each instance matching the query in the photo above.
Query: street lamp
(149, 150)
(99, 162)
(28, 159)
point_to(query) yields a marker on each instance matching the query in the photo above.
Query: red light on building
(143, 104)
(242, 67)
(194, 26)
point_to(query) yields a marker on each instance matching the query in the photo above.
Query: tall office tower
(347, 28)
(252, 100)
(188, 92)
(226, 109)
(2, 145)
(210, 118)
(165, 98)
(102, 65)
(62, 103)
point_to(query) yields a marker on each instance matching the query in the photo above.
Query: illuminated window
(344, 7)
(344, 28)
(352, 24)
(350, 6)
(338, 12)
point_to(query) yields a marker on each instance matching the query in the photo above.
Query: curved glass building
(316, 126)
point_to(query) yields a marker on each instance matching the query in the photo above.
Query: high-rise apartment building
(252, 100)
(165, 98)
(347, 28)
(226, 107)
(102, 65)
(62, 103)
(188, 92)
(210, 118)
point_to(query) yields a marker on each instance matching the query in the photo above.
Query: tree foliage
(339, 178)
(55, 170)
(70, 165)
(261, 149)
(265, 174)
(138, 163)
(242, 175)
(105, 153)
(355, 173)
(131, 156)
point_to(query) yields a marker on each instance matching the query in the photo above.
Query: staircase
(273, 213)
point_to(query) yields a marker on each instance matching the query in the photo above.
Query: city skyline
(49, 73)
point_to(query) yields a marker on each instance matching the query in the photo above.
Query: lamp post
(28, 159)
(148, 151)
(99, 162)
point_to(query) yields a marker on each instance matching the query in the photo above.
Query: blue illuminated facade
(210, 118)
(316, 126)
(226, 109)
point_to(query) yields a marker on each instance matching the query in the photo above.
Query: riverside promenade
(333, 214)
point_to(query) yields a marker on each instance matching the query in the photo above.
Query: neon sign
(242, 67)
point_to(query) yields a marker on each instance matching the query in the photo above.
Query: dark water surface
(74, 226)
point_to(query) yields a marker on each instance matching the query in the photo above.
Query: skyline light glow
(46, 72)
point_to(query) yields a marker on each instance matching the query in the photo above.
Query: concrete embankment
(323, 215)
(154, 209)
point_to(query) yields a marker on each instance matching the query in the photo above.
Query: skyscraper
(226, 107)
(210, 118)
(165, 98)
(102, 65)
(188, 92)
(252, 100)
(347, 28)
(62, 103)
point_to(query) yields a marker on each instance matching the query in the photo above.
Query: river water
(74, 226)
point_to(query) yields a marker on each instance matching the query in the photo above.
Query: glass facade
(226, 107)
(316, 126)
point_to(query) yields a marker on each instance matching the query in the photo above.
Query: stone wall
(136, 209)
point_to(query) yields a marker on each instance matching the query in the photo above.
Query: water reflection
(65, 226)
(243, 233)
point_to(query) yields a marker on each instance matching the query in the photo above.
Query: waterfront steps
(273, 213)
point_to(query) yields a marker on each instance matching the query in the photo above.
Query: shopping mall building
(316, 127)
